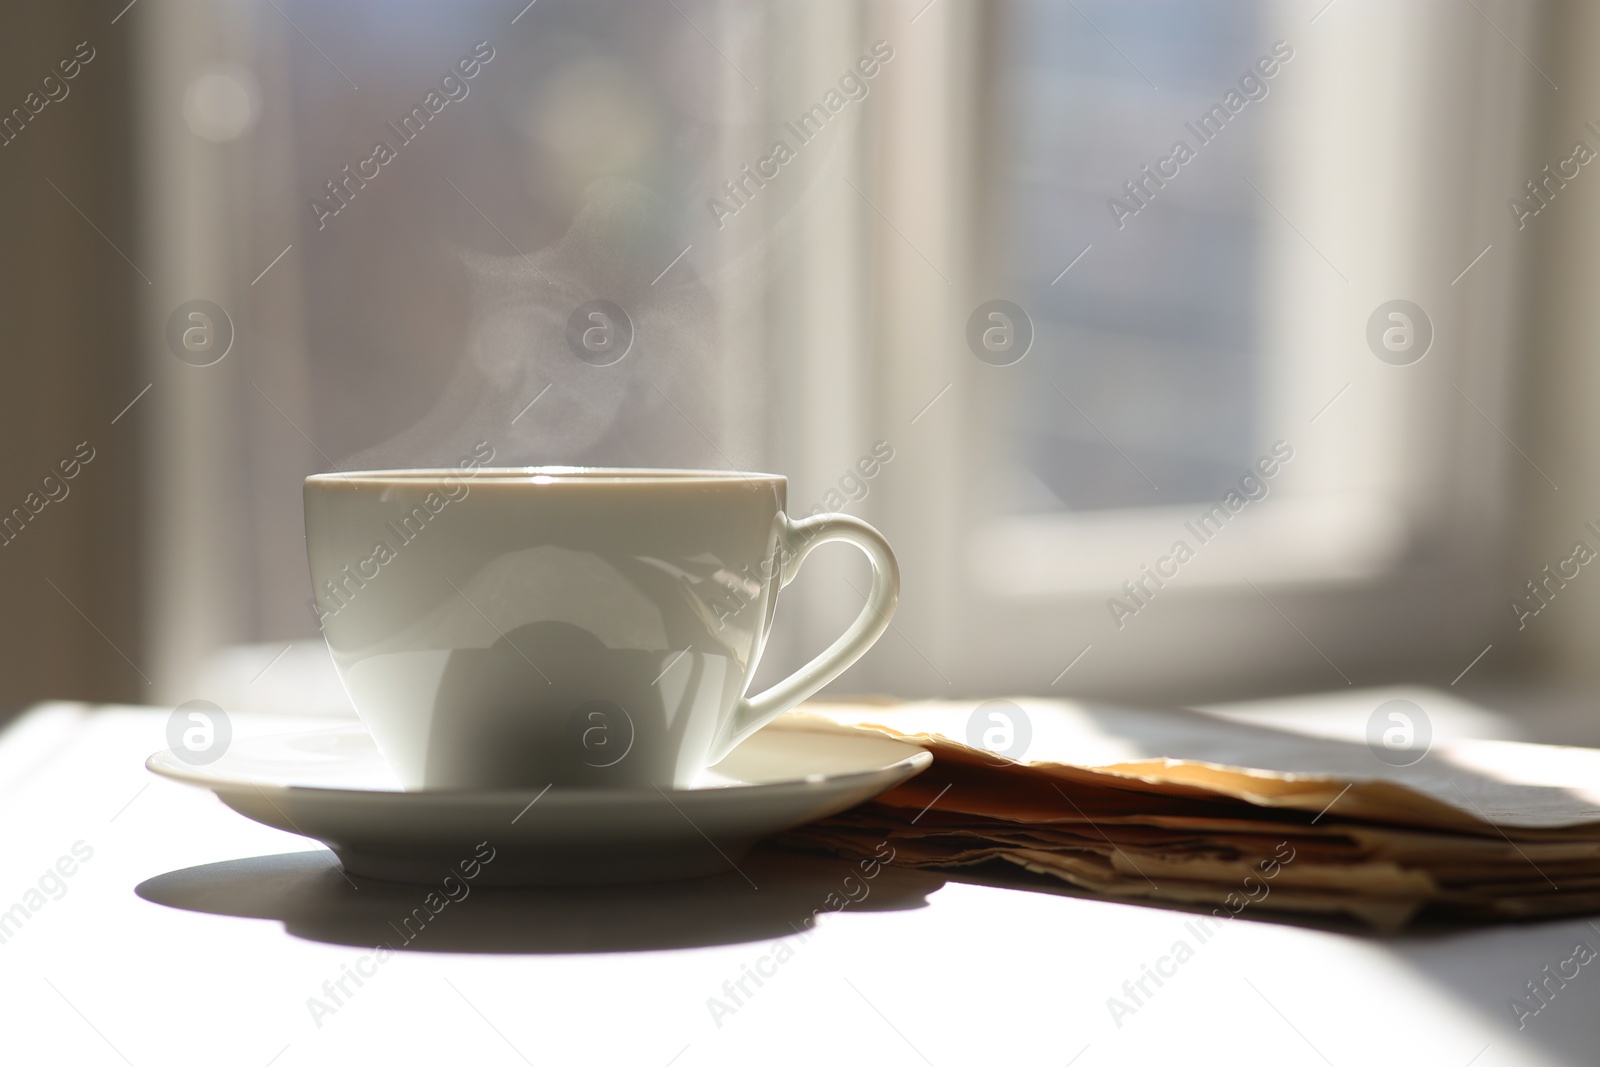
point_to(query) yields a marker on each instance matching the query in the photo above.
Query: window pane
(1141, 384)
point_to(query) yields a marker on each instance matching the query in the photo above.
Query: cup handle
(795, 542)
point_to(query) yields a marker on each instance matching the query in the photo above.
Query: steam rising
(515, 346)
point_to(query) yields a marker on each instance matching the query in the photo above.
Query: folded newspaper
(1191, 809)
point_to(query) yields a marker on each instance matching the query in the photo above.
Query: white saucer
(333, 786)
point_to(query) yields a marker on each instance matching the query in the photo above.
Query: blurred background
(1302, 286)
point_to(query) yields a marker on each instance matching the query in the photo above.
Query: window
(1228, 315)
(1194, 321)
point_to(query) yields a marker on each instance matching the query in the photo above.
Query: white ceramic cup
(503, 628)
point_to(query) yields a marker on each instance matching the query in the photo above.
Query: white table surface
(194, 936)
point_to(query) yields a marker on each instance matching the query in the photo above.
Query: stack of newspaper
(1191, 809)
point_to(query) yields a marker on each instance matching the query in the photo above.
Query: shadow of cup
(315, 900)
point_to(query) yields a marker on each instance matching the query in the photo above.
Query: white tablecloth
(156, 927)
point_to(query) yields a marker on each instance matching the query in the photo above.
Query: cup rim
(546, 475)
